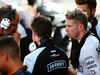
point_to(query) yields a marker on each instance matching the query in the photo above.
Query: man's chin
(69, 36)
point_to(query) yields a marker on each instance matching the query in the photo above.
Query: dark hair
(9, 46)
(91, 3)
(42, 26)
(79, 16)
(4, 12)
(31, 2)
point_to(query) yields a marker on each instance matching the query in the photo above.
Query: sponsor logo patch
(56, 65)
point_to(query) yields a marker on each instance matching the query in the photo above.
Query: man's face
(12, 27)
(85, 8)
(72, 29)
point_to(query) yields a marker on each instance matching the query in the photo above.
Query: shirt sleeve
(92, 61)
(29, 64)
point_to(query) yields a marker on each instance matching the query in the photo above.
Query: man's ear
(4, 57)
(81, 27)
(33, 33)
(93, 11)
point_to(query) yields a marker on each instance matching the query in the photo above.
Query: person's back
(46, 59)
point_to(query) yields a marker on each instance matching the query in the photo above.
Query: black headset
(33, 46)
(6, 22)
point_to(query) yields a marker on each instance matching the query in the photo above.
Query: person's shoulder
(91, 42)
(35, 53)
(98, 24)
(61, 51)
(90, 45)
(92, 39)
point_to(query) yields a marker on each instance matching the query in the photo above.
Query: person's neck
(92, 19)
(38, 40)
(15, 65)
(81, 34)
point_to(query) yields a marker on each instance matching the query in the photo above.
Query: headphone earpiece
(5, 22)
(33, 46)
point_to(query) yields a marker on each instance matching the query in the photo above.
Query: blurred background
(66, 4)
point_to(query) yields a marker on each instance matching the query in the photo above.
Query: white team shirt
(30, 59)
(89, 57)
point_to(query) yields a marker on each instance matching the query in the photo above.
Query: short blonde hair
(79, 16)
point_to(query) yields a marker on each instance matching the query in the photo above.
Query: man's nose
(66, 29)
